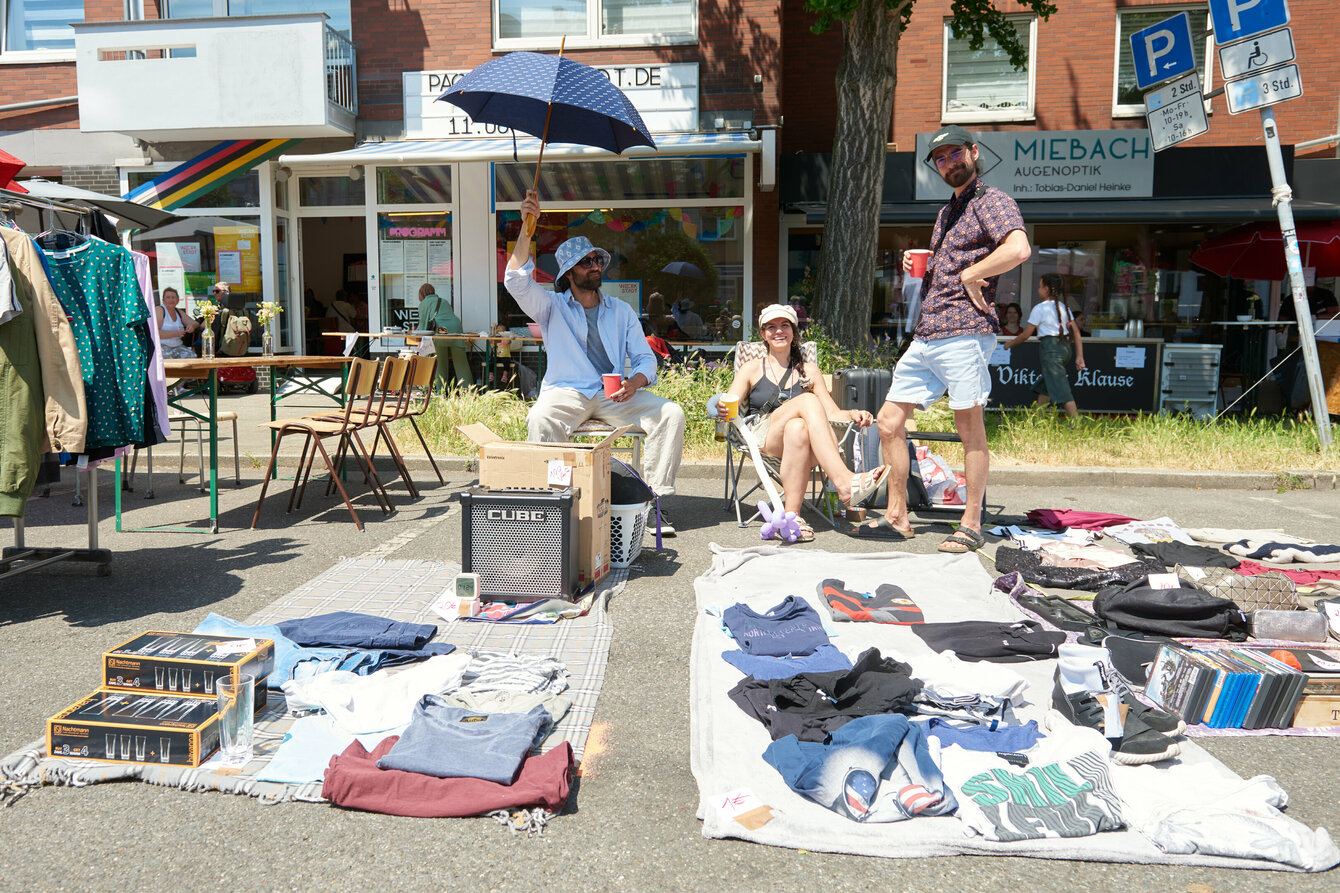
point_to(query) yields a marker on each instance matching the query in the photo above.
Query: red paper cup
(613, 381)
(919, 257)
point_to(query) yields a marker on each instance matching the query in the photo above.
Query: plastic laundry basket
(627, 524)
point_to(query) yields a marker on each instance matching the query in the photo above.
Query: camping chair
(739, 450)
(360, 388)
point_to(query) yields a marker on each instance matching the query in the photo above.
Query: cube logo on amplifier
(535, 515)
(522, 544)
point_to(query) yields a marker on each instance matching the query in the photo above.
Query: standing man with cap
(588, 334)
(977, 236)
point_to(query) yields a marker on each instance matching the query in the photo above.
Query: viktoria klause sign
(665, 95)
(1055, 164)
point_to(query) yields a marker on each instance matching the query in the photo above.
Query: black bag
(1185, 612)
(917, 497)
(861, 388)
(626, 488)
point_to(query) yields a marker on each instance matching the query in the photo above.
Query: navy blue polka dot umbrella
(553, 98)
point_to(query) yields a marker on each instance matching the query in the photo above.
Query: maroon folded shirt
(354, 781)
(1060, 519)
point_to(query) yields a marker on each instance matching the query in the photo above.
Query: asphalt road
(630, 823)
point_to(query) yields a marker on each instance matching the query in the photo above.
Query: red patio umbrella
(9, 169)
(1256, 250)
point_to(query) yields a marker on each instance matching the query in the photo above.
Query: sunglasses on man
(952, 157)
(591, 260)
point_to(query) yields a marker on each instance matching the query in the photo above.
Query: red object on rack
(9, 169)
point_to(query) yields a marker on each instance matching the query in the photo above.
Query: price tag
(560, 475)
(1164, 581)
(238, 646)
(745, 808)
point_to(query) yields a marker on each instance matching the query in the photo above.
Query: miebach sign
(1056, 164)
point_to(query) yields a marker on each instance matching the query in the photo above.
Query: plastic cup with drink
(613, 382)
(919, 258)
(728, 407)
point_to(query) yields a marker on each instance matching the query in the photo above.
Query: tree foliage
(865, 83)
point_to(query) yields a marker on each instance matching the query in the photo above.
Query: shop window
(413, 250)
(243, 191)
(1127, 98)
(427, 185)
(324, 192)
(689, 178)
(543, 23)
(982, 85)
(202, 9)
(41, 26)
(642, 242)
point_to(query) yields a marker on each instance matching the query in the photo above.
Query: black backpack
(1184, 612)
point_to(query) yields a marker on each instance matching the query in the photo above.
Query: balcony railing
(280, 76)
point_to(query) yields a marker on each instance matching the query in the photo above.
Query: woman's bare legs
(796, 462)
(822, 444)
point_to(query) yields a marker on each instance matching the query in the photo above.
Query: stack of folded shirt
(786, 639)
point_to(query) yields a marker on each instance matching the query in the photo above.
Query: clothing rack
(31, 558)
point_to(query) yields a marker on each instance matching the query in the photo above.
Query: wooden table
(207, 370)
(489, 350)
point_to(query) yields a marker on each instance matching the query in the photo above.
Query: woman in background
(172, 325)
(1011, 319)
(1051, 318)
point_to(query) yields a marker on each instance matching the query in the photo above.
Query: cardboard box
(1320, 704)
(186, 663)
(585, 466)
(136, 727)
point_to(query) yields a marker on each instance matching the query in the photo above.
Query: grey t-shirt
(595, 348)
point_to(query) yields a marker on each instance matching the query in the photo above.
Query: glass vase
(207, 344)
(267, 343)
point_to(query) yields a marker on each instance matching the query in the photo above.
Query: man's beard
(961, 173)
(590, 281)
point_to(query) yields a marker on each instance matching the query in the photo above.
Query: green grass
(1274, 444)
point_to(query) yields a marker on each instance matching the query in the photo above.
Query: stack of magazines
(1235, 688)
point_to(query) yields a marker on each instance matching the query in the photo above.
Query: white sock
(1085, 668)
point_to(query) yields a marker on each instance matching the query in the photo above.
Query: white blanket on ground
(740, 796)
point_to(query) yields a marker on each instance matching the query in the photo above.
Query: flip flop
(806, 533)
(864, 485)
(962, 540)
(883, 529)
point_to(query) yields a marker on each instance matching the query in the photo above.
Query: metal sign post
(1307, 339)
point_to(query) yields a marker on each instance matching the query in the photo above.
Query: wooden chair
(421, 380)
(360, 391)
(601, 430)
(739, 451)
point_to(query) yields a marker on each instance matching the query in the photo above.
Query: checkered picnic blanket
(400, 590)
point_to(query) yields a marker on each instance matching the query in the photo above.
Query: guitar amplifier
(521, 543)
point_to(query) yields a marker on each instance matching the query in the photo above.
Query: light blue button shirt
(563, 323)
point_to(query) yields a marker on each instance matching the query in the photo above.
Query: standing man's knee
(892, 421)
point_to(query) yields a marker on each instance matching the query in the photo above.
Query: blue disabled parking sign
(1239, 19)
(1164, 51)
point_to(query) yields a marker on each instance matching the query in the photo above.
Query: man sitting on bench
(588, 334)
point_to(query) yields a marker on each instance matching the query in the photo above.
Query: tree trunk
(865, 81)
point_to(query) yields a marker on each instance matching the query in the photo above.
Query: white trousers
(559, 411)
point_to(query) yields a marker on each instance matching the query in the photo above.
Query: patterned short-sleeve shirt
(946, 309)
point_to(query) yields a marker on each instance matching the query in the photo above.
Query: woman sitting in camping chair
(792, 411)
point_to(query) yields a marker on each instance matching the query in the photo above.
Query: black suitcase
(861, 388)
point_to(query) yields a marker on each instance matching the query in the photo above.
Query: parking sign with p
(1239, 19)
(1163, 51)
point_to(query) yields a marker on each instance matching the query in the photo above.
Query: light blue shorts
(957, 365)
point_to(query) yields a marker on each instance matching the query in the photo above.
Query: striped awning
(524, 148)
(207, 171)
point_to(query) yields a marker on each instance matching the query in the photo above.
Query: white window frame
(592, 37)
(976, 117)
(26, 57)
(1137, 110)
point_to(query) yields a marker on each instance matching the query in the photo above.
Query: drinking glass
(164, 749)
(158, 677)
(125, 747)
(236, 696)
(172, 678)
(185, 679)
(209, 681)
(140, 741)
(111, 745)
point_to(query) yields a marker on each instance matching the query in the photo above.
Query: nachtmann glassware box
(136, 727)
(186, 663)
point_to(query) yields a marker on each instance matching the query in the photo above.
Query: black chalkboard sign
(1121, 376)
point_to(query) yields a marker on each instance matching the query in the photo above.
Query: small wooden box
(1320, 705)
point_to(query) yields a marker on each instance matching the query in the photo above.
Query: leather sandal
(962, 540)
(864, 485)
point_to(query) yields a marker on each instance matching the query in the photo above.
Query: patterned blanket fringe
(531, 821)
(30, 769)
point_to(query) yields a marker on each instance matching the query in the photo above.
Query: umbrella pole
(528, 226)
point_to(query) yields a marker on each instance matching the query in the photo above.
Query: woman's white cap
(778, 311)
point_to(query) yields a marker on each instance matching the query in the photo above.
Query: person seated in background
(788, 408)
(689, 322)
(587, 335)
(172, 325)
(1011, 319)
(342, 312)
